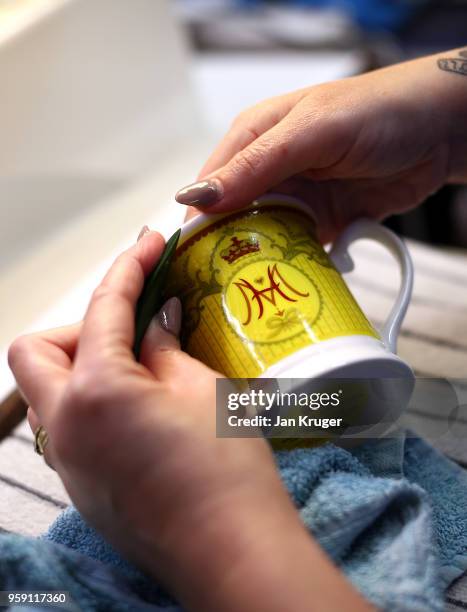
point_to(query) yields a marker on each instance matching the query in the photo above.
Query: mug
(262, 298)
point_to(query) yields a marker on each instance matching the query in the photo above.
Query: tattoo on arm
(454, 64)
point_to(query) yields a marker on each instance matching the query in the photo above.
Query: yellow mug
(261, 297)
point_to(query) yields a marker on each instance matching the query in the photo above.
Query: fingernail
(144, 230)
(170, 316)
(203, 193)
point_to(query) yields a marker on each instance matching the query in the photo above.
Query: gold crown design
(239, 248)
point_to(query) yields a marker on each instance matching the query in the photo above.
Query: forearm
(436, 88)
(259, 557)
(453, 68)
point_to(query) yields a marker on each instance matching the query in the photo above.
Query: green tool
(153, 295)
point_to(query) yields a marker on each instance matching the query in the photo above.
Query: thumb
(276, 155)
(160, 349)
(161, 340)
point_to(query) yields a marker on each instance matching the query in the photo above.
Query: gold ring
(41, 439)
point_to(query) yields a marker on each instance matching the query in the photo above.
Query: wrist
(225, 568)
(257, 554)
(213, 548)
(430, 101)
(449, 105)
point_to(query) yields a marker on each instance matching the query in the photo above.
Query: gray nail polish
(144, 230)
(170, 316)
(203, 193)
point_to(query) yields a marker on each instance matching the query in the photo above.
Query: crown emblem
(239, 248)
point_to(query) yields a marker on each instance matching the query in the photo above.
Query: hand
(136, 448)
(134, 443)
(370, 145)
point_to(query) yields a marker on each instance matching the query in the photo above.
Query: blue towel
(392, 514)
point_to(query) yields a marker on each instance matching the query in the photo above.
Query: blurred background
(376, 33)
(107, 107)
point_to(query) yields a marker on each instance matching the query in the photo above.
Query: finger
(108, 327)
(161, 354)
(162, 338)
(336, 203)
(333, 204)
(171, 365)
(276, 155)
(330, 203)
(249, 126)
(33, 419)
(280, 153)
(41, 364)
(307, 140)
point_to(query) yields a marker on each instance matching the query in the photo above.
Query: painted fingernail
(203, 193)
(144, 230)
(170, 316)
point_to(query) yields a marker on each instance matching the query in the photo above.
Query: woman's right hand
(135, 445)
(135, 442)
(369, 145)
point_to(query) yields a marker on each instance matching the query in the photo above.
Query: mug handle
(340, 256)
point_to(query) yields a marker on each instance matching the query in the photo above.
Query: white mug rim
(192, 224)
